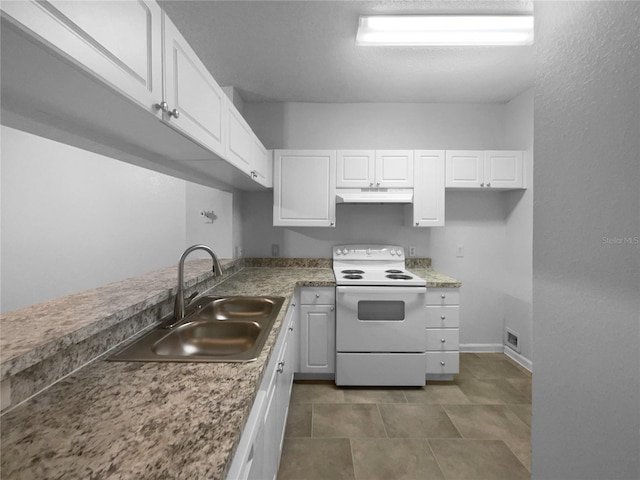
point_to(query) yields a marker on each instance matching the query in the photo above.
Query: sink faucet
(180, 304)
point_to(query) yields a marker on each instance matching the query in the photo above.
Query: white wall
(586, 284)
(518, 135)
(74, 220)
(475, 220)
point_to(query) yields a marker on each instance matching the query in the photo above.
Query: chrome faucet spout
(180, 304)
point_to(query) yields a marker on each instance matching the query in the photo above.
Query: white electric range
(380, 324)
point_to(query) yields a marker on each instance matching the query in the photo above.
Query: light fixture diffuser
(445, 30)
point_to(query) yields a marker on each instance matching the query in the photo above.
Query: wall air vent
(511, 340)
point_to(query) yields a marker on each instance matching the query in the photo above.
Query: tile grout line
(444, 475)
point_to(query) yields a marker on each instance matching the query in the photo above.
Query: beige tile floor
(477, 427)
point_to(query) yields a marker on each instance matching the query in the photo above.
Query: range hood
(374, 195)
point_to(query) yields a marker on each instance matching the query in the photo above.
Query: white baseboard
(498, 348)
(482, 347)
(516, 357)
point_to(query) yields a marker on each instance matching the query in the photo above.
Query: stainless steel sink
(215, 329)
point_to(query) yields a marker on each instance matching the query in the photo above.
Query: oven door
(380, 319)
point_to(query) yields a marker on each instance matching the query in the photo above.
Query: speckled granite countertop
(147, 420)
(154, 420)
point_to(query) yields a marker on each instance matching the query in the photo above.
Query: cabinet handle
(442, 317)
(488, 184)
(442, 363)
(291, 329)
(482, 184)
(317, 295)
(442, 340)
(417, 223)
(443, 296)
(280, 368)
(378, 184)
(331, 224)
(174, 113)
(331, 308)
(371, 184)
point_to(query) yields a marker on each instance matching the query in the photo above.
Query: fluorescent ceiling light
(445, 30)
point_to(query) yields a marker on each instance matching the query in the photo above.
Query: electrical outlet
(275, 250)
(460, 251)
(412, 251)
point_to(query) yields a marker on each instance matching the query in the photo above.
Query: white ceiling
(304, 51)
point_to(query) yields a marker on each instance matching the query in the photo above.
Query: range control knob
(338, 251)
(368, 251)
(392, 252)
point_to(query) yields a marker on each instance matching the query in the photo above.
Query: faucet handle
(191, 297)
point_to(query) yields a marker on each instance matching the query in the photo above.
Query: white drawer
(443, 317)
(443, 362)
(443, 296)
(442, 339)
(318, 296)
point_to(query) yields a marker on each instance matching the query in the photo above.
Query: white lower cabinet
(258, 454)
(317, 339)
(442, 333)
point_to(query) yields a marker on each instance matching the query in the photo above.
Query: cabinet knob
(162, 106)
(442, 363)
(443, 296)
(332, 224)
(482, 184)
(174, 113)
(378, 184)
(331, 308)
(317, 295)
(417, 223)
(442, 317)
(280, 368)
(371, 184)
(442, 340)
(291, 329)
(488, 184)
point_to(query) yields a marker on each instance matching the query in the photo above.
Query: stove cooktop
(375, 265)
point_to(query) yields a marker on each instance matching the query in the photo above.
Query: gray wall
(586, 276)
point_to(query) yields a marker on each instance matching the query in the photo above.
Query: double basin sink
(215, 329)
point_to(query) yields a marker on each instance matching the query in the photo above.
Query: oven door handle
(381, 290)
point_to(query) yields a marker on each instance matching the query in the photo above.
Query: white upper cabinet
(428, 191)
(504, 169)
(394, 169)
(484, 169)
(194, 101)
(356, 168)
(263, 165)
(304, 188)
(374, 169)
(80, 71)
(244, 150)
(130, 61)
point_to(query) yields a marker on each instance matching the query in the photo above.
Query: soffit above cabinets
(304, 51)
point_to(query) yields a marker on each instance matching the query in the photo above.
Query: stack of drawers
(442, 333)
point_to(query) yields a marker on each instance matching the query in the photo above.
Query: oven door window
(386, 310)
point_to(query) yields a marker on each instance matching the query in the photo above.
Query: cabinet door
(192, 92)
(263, 165)
(428, 190)
(304, 188)
(394, 168)
(464, 169)
(503, 169)
(356, 168)
(129, 61)
(241, 147)
(317, 339)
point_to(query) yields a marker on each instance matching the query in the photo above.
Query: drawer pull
(317, 295)
(442, 340)
(280, 368)
(442, 363)
(442, 317)
(443, 296)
